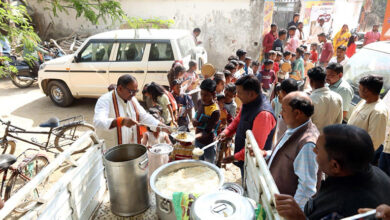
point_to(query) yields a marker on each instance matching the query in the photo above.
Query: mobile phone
(370, 215)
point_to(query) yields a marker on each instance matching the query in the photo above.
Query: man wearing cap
(292, 41)
(269, 39)
(241, 54)
(326, 50)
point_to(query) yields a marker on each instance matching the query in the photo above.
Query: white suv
(103, 58)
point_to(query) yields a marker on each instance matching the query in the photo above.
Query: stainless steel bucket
(164, 205)
(126, 172)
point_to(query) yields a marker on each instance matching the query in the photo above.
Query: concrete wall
(226, 25)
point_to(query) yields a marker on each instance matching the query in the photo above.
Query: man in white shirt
(318, 29)
(118, 112)
(328, 105)
(340, 56)
(371, 113)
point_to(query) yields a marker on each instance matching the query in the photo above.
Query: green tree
(15, 23)
(92, 10)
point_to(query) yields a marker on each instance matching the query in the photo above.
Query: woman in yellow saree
(341, 38)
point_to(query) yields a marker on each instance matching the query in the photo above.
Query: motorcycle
(27, 71)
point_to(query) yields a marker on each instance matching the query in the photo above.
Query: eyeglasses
(132, 92)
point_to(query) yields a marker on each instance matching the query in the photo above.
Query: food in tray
(188, 180)
(181, 136)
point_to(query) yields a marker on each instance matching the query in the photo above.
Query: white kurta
(313, 38)
(105, 114)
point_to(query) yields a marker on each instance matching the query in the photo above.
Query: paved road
(29, 107)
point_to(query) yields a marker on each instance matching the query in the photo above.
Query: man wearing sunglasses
(119, 113)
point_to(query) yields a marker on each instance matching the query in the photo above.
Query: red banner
(386, 24)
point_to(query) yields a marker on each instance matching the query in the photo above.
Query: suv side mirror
(76, 58)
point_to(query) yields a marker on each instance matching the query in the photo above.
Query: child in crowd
(276, 102)
(255, 67)
(184, 103)
(240, 69)
(177, 72)
(293, 58)
(231, 67)
(268, 77)
(190, 79)
(272, 56)
(230, 94)
(279, 57)
(219, 79)
(233, 57)
(247, 68)
(307, 63)
(286, 57)
(206, 119)
(298, 70)
(314, 53)
(150, 137)
(285, 66)
(235, 64)
(160, 97)
(225, 118)
(304, 48)
(228, 76)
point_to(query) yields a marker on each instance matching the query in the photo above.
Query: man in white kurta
(318, 29)
(106, 119)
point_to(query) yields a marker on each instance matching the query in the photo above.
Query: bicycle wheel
(70, 134)
(8, 147)
(27, 170)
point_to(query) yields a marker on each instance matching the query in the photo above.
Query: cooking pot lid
(161, 149)
(233, 187)
(222, 205)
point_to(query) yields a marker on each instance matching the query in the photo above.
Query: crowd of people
(296, 102)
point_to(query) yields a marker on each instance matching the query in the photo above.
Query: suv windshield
(365, 62)
(185, 45)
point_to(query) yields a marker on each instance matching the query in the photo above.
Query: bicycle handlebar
(12, 126)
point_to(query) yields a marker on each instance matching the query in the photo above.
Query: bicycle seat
(6, 160)
(51, 123)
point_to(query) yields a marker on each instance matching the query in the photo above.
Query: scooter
(27, 72)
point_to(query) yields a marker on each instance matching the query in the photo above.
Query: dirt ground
(29, 107)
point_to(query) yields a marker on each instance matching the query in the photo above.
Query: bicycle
(66, 132)
(24, 172)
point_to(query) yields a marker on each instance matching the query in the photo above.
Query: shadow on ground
(43, 108)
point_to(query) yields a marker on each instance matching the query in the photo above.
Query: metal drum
(126, 172)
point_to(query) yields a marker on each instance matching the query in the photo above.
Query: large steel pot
(126, 172)
(164, 206)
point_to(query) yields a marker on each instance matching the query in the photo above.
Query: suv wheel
(59, 93)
